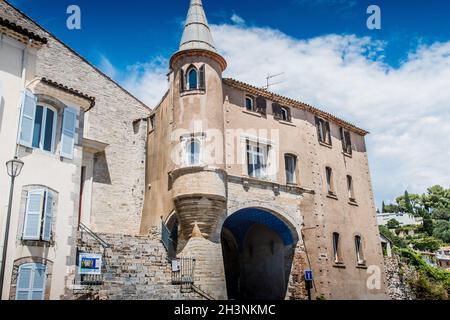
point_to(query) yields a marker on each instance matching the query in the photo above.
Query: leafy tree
(391, 208)
(441, 214)
(442, 231)
(437, 197)
(383, 207)
(396, 241)
(428, 225)
(393, 224)
(410, 203)
(430, 244)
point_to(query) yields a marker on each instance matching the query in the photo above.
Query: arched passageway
(258, 248)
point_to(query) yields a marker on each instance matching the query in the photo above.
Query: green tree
(442, 231)
(393, 224)
(391, 208)
(396, 241)
(430, 244)
(441, 214)
(383, 207)
(428, 226)
(437, 197)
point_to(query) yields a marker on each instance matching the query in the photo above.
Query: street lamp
(14, 168)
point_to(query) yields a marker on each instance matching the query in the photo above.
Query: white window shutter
(24, 282)
(48, 217)
(32, 225)
(68, 133)
(27, 119)
(39, 279)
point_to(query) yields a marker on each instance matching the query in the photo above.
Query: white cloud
(407, 110)
(237, 19)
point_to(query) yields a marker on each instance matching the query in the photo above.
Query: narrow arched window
(359, 251)
(193, 152)
(192, 79)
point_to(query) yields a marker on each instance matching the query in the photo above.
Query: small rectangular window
(31, 282)
(351, 193)
(291, 169)
(323, 131)
(249, 103)
(152, 122)
(330, 181)
(39, 216)
(285, 114)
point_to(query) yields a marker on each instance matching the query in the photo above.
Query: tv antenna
(270, 77)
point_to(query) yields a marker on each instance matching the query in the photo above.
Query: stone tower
(198, 178)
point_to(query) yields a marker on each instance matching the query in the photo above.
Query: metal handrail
(102, 242)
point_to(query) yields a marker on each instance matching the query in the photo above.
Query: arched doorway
(258, 249)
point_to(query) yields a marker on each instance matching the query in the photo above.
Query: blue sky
(142, 29)
(394, 82)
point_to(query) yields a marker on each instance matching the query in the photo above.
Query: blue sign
(308, 275)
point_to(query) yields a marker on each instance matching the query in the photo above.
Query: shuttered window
(27, 119)
(323, 131)
(39, 215)
(68, 133)
(31, 282)
(346, 141)
(261, 105)
(202, 80)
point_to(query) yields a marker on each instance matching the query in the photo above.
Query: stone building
(222, 191)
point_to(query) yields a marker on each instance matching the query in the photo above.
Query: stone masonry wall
(397, 275)
(134, 268)
(119, 172)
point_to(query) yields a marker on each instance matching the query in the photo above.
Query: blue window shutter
(48, 217)
(39, 279)
(68, 133)
(33, 215)
(24, 282)
(27, 119)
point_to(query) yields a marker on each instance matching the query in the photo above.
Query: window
(336, 249)
(351, 194)
(285, 114)
(39, 216)
(323, 131)
(330, 181)
(152, 122)
(359, 251)
(281, 113)
(38, 125)
(193, 157)
(249, 103)
(31, 282)
(346, 141)
(192, 77)
(291, 168)
(257, 155)
(44, 128)
(261, 105)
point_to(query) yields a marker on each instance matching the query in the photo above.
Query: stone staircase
(135, 268)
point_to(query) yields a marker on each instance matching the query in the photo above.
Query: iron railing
(183, 271)
(103, 243)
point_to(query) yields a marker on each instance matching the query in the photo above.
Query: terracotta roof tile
(70, 90)
(288, 102)
(25, 32)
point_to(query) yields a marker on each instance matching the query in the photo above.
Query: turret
(198, 178)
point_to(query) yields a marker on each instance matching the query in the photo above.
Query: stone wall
(134, 268)
(397, 274)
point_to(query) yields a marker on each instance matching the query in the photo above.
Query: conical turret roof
(196, 34)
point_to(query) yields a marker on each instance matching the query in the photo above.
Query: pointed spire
(196, 233)
(196, 34)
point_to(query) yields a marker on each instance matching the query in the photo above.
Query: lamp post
(14, 168)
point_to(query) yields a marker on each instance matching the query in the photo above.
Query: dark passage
(257, 250)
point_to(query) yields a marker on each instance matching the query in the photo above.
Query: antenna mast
(270, 77)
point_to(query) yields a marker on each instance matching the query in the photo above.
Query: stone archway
(258, 248)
